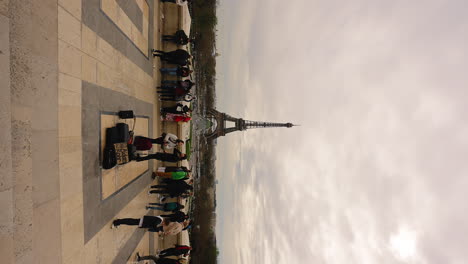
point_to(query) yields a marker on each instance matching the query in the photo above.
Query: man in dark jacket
(179, 38)
(179, 56)
(178, 216)
(185, 84)
(174, 188)
(152, 223)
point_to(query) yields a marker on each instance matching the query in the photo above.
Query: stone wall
(29, 188)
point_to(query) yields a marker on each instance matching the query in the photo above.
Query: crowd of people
(173, 182)
(180, 90)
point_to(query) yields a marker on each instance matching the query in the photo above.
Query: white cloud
(377, 170)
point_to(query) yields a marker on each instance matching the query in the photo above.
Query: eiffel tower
(239, 124)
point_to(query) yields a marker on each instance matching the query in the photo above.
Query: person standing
(174, 228)
(176, 118)
(178, 71)
(177, 109)
(177, 250)
(177, 216)
(179, 56)
(186, 98)
(174, 88)
(171, 169)
(160, 260)
(174, 168)
(167, 141)
(174, 188)
(162, 156)
(147, 257)
(152, 223)
(167, 207)
(173, 175)
(179, 38)
(172, 92)
(185, 84)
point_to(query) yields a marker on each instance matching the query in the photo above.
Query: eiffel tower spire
(239, 124)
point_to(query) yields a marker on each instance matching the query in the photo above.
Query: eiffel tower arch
(239, 124)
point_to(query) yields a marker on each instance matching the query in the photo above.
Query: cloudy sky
(378, 170)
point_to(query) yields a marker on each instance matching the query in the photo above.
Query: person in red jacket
(176, 118)
(177, 250)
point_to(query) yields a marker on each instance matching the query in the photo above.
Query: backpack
(112, 136)
(142, 143)
(123, 132)
(109, 159)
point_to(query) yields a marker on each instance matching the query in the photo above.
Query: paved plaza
(66, 68)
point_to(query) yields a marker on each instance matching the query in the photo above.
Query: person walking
(166, 207)
(179, 38)
(152, 223)
(162, 156)
(178, 71)
(179, 56)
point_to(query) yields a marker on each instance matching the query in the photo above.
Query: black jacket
(175, 217)
(183, 71)
(178, 54)
(169, 157)
(181, 38)
(177, 188)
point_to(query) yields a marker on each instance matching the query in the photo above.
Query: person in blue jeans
(178, 71)
(170, 71)
(167, 207)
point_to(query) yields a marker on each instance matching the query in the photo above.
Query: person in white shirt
(171, 141)
(167, 141)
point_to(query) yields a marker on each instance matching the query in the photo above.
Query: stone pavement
(64, 66)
